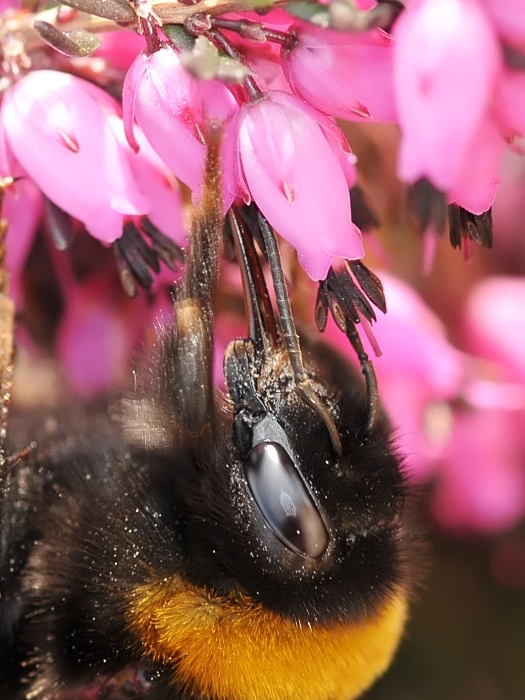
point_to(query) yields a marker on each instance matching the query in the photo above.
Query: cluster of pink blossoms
(460, 94)
(459, 415)
(100, 142)
(441, 73)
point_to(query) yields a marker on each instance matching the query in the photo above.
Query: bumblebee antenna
(174, 400)
(289, 334)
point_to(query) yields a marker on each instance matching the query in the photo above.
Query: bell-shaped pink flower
(159, 185)
(98, 333)
(59, 132)
(495, 323)
(482, 480)
(342, 74)
(478, 179)
(509, 104)
(174, 109)
(446, 60)
(294, 176)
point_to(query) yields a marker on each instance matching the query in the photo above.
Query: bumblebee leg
(14, 536)
(290, 337)
(7, 315)
(193, 322)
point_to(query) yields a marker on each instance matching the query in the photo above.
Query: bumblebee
(200, 545)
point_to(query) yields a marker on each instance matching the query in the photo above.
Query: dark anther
(514, 58)
(59, 225)
(167, 250)
(322, 305)
(137, 259)
(349, 305)
(127, 277)
(346, 301)
(467, 226)
(428, 206)
(339, 294)
(363, 215)
(369, 283)
(395, 7)
(429, 209)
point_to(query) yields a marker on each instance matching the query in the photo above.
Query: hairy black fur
(87, 516)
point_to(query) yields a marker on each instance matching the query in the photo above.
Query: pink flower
(173, 109)
(159, 186)
(482, 476)
(58, 128)
(10, 5)
(459, 98)
(509, 104)
(22, 208)
(120, 49)
(98, 332)
(482, 479)
(495, 323)
(446, 61)
(294, 176)
(342, 74)
(478, 179)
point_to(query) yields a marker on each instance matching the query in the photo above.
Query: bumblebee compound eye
(284, 501)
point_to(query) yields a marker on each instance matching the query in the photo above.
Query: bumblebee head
(311, 534)
(300, 503)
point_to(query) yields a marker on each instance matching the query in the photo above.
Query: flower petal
(446, 59)
(478, 180)
(342, 74)
(61, 136)
(296, 179)
(482, 484)
(173, 110)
